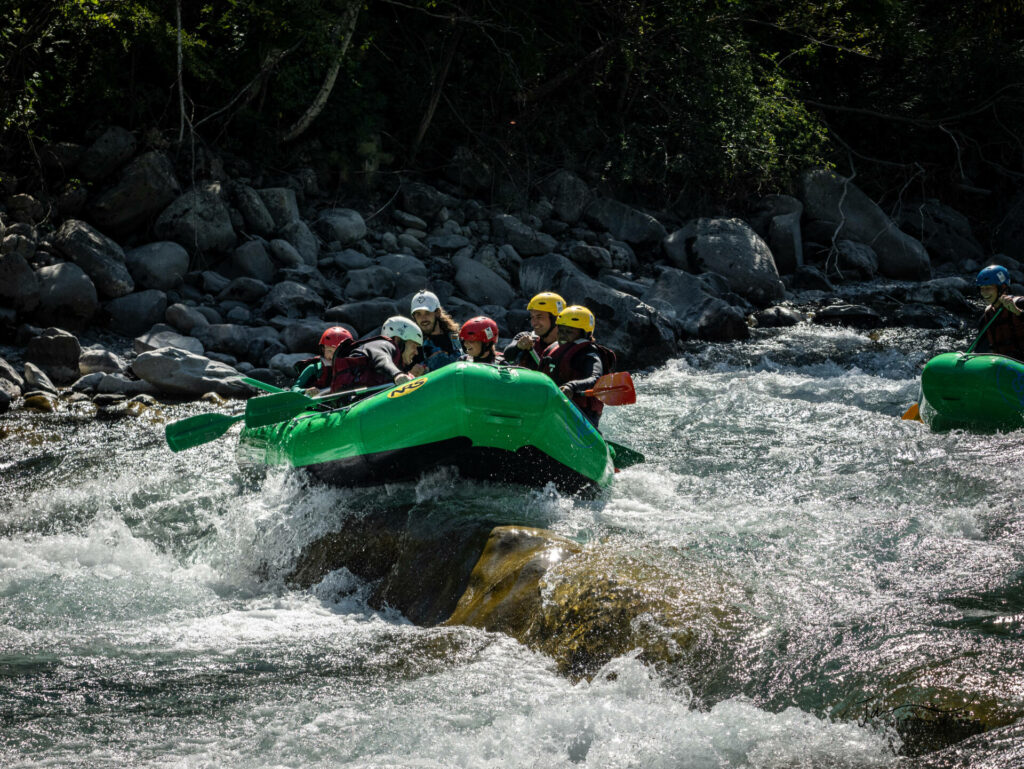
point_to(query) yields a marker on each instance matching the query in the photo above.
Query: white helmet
(425, 300)
(398, 327)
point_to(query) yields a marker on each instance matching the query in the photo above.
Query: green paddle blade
(625, 456)
(260, 385)
(279, 407)
(197, 430)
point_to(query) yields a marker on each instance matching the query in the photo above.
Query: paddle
(614, 389)
(625, 456)
(280, 407)
(261, 385)
(914, 412)
(194, 431)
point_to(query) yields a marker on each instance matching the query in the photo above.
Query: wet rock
(732, 249)
(19, 285)
(56, 352)
(96, 359)
(856, 315)
(778, 317)
(198, 220)
(160, 265)
(526, 240)
(281, 204)
(569, 195)
(44, 402)
(100, 257)
(110, 151)
(10, 378)
(685, 299)
(66, 295)
(177, 372)
(146, 187)
(132, 314)
(161, 335)
(124, 386)
(829, 197)
(36, 379)
(624, 222)
(915, 315)
(342, 225)
(88, 383)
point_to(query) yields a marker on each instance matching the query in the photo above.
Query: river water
(144, 619)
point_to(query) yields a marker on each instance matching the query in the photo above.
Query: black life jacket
(557, 363)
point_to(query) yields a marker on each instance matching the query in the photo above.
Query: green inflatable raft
(491, 422)
(961, 390)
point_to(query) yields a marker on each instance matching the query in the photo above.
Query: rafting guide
(528, 346)
(1003, 331)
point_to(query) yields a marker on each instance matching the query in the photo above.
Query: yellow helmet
(547, 302)
(577, 317)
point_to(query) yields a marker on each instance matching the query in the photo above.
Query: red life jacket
(357, 371)
(324, 373)
(557, 363)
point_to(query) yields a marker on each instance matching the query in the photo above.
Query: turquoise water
(876, 571)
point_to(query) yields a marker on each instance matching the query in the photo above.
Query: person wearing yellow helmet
(576, 361)
(528, 346)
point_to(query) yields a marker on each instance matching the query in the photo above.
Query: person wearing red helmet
(478, 336)
(317, 373)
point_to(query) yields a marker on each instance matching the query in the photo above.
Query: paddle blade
(614, 389)
(914, 413)
(197, 430)
(625, 456)
(279, 407)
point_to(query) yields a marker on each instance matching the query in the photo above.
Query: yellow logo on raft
(407, 388)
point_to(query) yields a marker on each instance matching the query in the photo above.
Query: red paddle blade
(614, 389)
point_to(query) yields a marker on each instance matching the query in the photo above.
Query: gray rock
(480, 284)
(365, 316)
(162, 335)
(369, 282)
(778, 317)
(10, 376)
(16, 244)
(245, 289)
(343, 225)
(281, 204)
(292, 300)
(56, 352)
(523, 238)
(831, 198)
(120, 384)
(620, 283)
(591, 258)
(733, 250)
(301, 335)
(109, 152)
(238, 314)
(405, 219)
(213, 282)
(421, 200)
(251, 260)
(255, 214)
(36, 379)
(569, 195)
(131, 315)
(623, 256)
(96, 359)
(285, 362)
(447, 241)
(946, 233)
(88, 383)
(99, 256)
(810, 278)
(639, 334)
(160, 265)
(770, 206)
(403, 264)
(852, 261)
(683, 297)
(66, 294)
(467, 170)
(26, 208)
(19, 285)
(350, 259)
(411, 242)
(146, 187)
(198, 220)
(786, 242)
(856, 315)
(178, 372)
(285, 254)
(243, 342)
(303, 240)
(625, 223)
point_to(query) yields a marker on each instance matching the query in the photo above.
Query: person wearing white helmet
(440, 332)
(380, 359)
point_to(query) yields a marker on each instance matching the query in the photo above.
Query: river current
(879, 569)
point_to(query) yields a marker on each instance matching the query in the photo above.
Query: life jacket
(558, 364)
(1006, 335)
(493, 355)
(324, 373)
(357, 370)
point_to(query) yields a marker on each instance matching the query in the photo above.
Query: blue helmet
(993, 275)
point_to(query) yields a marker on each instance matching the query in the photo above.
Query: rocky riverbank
(118, 280)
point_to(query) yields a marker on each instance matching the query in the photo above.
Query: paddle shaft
(987, 325)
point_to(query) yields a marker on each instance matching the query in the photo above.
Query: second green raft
(491, 422)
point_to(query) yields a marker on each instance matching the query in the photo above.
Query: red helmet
(479, 329)
(334, 336)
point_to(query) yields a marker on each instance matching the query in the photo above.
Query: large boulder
(625, 223)
(146, 187)
(178, 372)
(421, 200)
(831, 198)
(303, 240)
(162, 335)
(480, 284)
(19, 286)
(365, 316)
(185, 318)
(111, 150)
(343, 225)
(522, 237)
(569, 195)
(56, 352)
(732, 249)
(250, 205)
(66, 295)
(785, 241)
(281, 204)
(99, 256)
(946, 233)
(97, 359)
(132, 314)
(242, 342)
(198, 220)
(160, 265)
(369, 282)
(292, 300)
(686, 299)
(639, 334)
(251, 260)
(244, 289)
